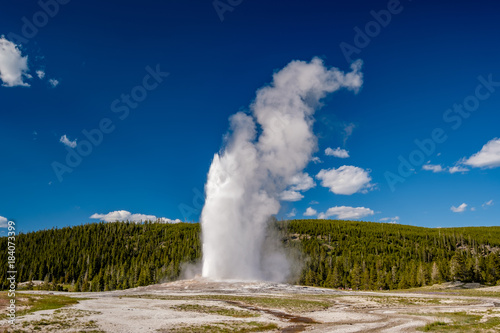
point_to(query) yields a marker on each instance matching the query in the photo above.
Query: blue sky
(188, 71)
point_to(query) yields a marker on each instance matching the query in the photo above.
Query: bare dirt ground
(201, 305)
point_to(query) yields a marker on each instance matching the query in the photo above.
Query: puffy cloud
(346, 180)
(459, 209)
(53, 82)
(301, 182)
(3, 222)
(488, 203)
(310, 211)
(13, 66)
(292, 213)
(346, 213)
(40, 73)
(433, 167)
(64, 139)
(290, 196)
(457, 168)
(337, 152)
(123, 215)
(488, 157)
(316, 160)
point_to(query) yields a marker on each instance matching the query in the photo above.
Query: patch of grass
(27, 303)
(236, 327)
(453, 292)
(407, 301)
(216, 310)
(292, 303)
(63, 319)
(432, 326)
(461, 322)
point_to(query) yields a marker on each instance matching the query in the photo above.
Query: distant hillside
(364, 255)
(338, 254)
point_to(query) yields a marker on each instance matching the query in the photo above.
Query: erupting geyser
(264, 151)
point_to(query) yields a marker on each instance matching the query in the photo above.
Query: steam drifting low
(265, 150)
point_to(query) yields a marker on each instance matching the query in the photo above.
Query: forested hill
(346, 254)
(364, 255)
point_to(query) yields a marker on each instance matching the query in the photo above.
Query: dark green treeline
(339, 254)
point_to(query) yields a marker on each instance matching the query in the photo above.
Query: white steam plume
(264, 151)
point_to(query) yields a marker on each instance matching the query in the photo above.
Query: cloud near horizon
(123, 215)
(3, 222)
(346, 213)
(391, 220)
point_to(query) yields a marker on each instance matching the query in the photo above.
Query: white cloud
(292, 213)
(64, 139)
(123, 215)
(13, 66)
(40, 74)
(53, 82)
(310, 211)
(290, 196)
(459, 209)
(337, 152)
(433, 167)
(348, 128)
(301, 182)
(166, 220)
(392, 220)
(346, 180)
(473, 209)
(436, 168)
(457, 168)
(346, 212)
(3, 222)
(316, 160)
(488, 157)
(314, 202)
(488, 203)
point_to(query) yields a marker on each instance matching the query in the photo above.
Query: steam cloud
(265, 152)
